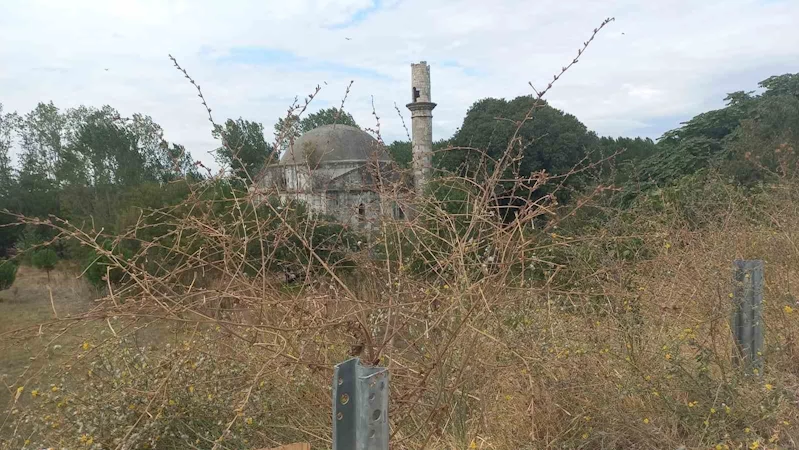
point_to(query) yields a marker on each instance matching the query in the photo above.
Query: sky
(659, 63)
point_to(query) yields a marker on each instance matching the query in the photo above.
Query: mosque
(340, 170)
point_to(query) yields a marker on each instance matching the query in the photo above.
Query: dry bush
(553, 329)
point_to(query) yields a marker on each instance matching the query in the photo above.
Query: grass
(25, 306)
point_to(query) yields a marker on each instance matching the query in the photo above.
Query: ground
(26, 305)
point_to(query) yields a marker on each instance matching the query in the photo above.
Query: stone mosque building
(339, 170)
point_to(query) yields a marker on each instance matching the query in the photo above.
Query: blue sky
(658, 64)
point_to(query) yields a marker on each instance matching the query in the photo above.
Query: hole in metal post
(376, 414)
(371, 434)
(344, 399)
(371, 396)
(340, 415)
(340, 381)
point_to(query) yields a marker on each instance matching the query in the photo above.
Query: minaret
(421, 124)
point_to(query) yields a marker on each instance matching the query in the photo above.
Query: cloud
(658, 64)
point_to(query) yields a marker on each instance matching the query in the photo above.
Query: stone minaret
(421, 124)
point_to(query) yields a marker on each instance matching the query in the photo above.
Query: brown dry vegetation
(559, 330)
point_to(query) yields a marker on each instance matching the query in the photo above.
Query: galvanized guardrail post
(747, 322)
(360, 407)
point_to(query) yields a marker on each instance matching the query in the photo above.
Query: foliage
(45, 259)
(8, 273)
(244, 148)
(554, 142)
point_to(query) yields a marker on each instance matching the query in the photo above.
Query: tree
(8, 273)
(45, 259)
(288, 129)
(552, 141)
(244, 148)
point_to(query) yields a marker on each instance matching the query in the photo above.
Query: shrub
(45, 259)
(8, 273)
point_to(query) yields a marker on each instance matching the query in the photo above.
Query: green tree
(244, 148)
(45, 259)
(552, 141)
(9, 124)
(8, 273)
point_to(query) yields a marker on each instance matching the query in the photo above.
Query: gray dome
(334, 143)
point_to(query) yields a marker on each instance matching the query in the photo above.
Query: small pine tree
(45, 259)
(8, 273)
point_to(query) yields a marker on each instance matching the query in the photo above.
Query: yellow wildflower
(787, 309)
(249, 421)
(85, 345)
(54, 388)
(747, 430)
(712, 410)
(754, 445)
(769, 387)
(585, 435)
(646, 419)
(472, 444)
(35, 393)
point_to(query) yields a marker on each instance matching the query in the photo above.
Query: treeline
(98, 169)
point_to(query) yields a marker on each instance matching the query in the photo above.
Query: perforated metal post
(747, 322)
(360, 407)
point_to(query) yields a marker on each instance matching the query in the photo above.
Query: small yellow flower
(210, 397)
(755, 371)
(27, 442)
(730, 295)
(473, 444)
(646, 419)
(712, 410)
(667, 245)
(647, 378)
(191, 389)
(785, 422)
(787, 309)
(131, 406)
(656, 393)
(585, 435)
(727, 409)
(747, 430)
(769, 387)
(54, 388)
(508, 397)
(85, 345)
(171, 402)
(707, 423)
(692, 404)
(249, 421)
(587, 418)
(754, 445)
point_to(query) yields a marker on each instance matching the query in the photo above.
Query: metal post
(747, 317)
(360, 407)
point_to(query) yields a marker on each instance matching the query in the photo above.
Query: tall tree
(552, 141)
(244, 149)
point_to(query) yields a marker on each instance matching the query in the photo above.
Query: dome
(332, 144)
